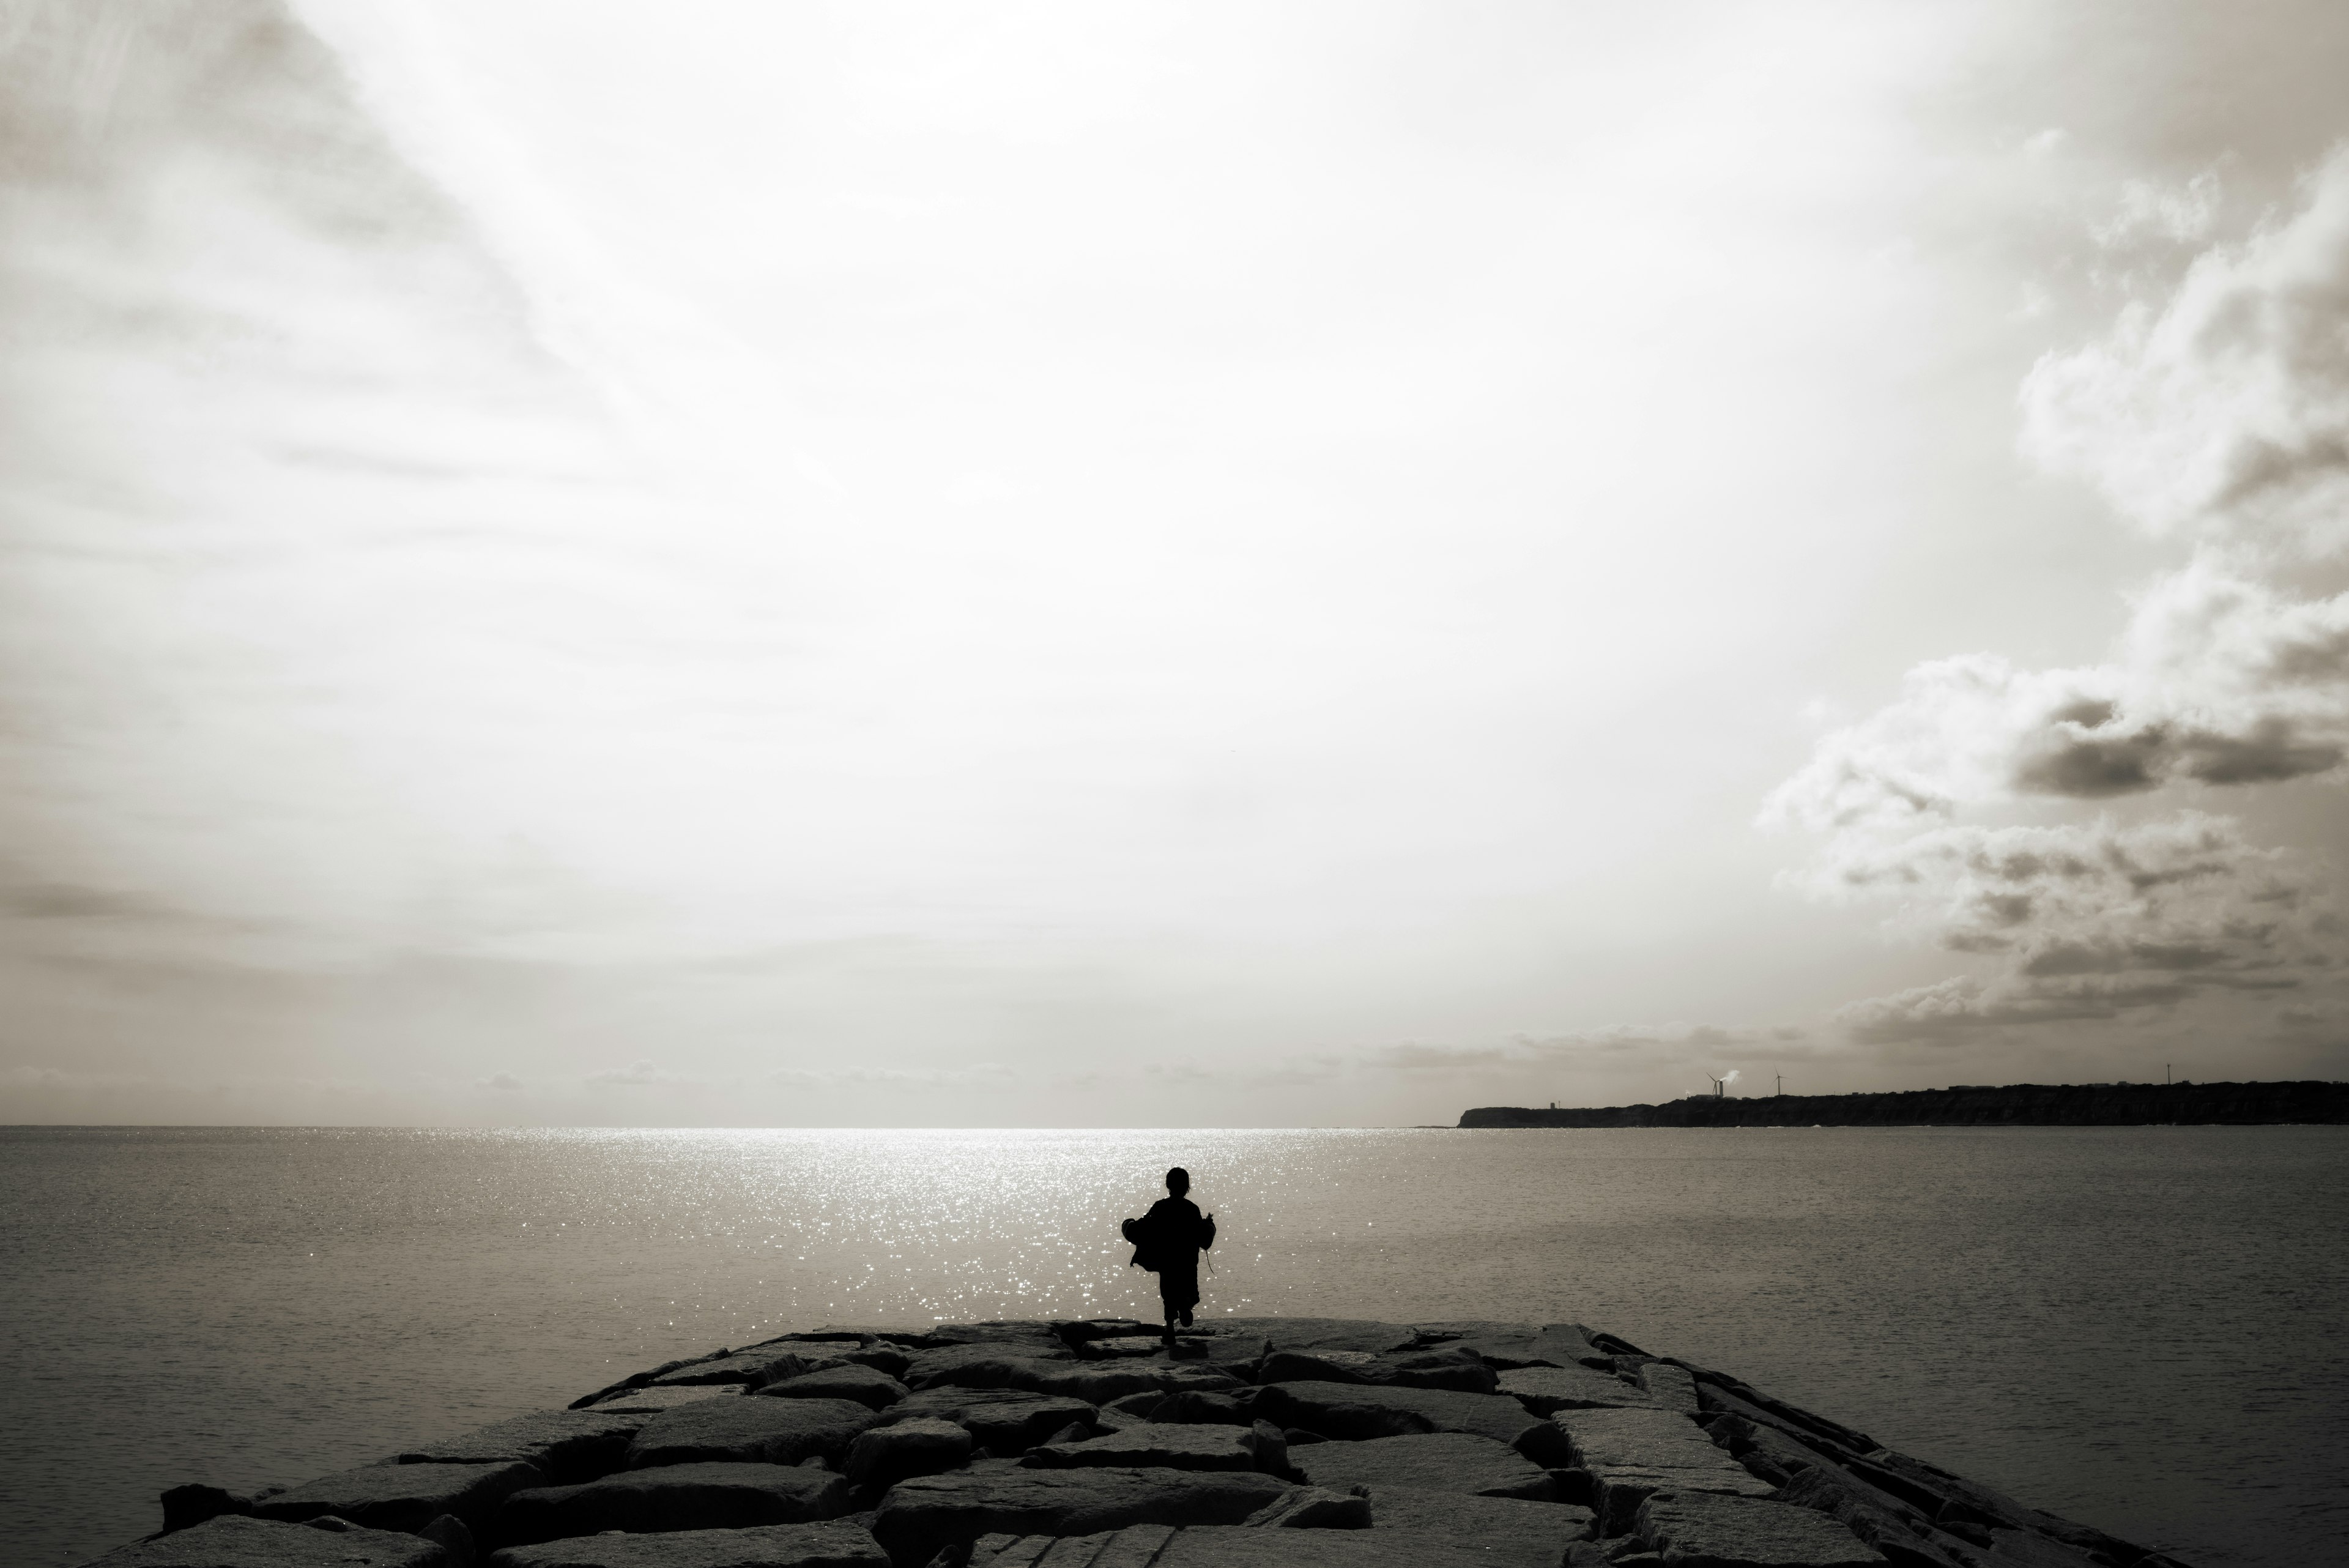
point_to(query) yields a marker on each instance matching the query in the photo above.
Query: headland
(1247, 1443)
(2303, 1101)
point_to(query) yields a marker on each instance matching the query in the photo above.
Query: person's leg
(1178, 1288)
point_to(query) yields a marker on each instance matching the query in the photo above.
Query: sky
(1102, 565)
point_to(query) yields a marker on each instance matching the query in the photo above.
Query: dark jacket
(1171, 1236)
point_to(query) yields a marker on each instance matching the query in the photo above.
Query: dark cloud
(2092, 920)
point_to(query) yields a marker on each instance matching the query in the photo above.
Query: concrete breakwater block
(770, 1546)
(1212, 1546)
(883, 1456)
(673, 1497)
(662, 1398)
(766, 1431)
(868, 1386)
(234, 1541)
(1178, 1448)
(1547, 1389)
(1091, 1444)
(1631, 1454)
(405, 1498)
(1714, 1531)
(1003, 1421)
(1443, 1368)
(1430, 1461)
(920, 1517)
(1511, 1531)
(1357, 1414)
(568, 1445)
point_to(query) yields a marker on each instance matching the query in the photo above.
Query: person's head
(1178, 1181)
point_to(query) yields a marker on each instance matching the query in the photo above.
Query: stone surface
(1504, 1346)
(1127, 1344)
(868, 1386)
(1630, 1454)
(1433, 1461)
(1545, 1390)
(1669, 1387)
(1221, 1345)
(186, 1506)
(454, 1539)
(1717, 1392)
(1156, 1447)
(997, 1331)
(721, 1496)
(883, 1456)
(863, 1349)
(1196, 1407)
(1704, 1530)
(232, 1540)
(1003, 1421)
(1135, 1546)
(919, 1516)
(755, 1367)
(1445, 1367)
(831, 1545)
(1902, 1534)
(665, 1398)
(1098, 1382)
(568, 1445)
(1763, 1451)
(1514, 1532)
(761, 1431)
(1323, 1333)
(1358, 1413)
(985, 1364)
(1227, 1546)
(405, 1497)
(1313, 1508)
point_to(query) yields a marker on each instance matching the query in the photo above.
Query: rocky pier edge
(1252, 1443)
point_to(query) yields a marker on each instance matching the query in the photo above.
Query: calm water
(2143, 1328)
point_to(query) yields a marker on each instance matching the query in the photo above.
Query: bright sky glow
(1082, 563)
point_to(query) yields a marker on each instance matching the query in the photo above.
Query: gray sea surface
(2147, 1329)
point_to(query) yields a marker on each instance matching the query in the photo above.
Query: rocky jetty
(1251, 1443)
(2310, 1101)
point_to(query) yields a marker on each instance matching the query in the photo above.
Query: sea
(2143, 1328)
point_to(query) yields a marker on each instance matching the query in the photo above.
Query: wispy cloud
(2224, 413)
(978, 1075)
(638, 1074)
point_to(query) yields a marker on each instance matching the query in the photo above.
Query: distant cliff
(2009, 1104)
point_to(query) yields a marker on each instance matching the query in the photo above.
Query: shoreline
(2285, 1103)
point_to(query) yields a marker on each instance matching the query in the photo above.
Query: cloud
(2149, 209)
(504, 1080)
(1418, 1058)
(2226, 412)
(978, 1075)
(2220, 680)
(637, 1075)
(2088, 921)
(2222, 415)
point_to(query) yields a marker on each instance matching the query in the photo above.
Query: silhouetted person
(1168, 1242)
